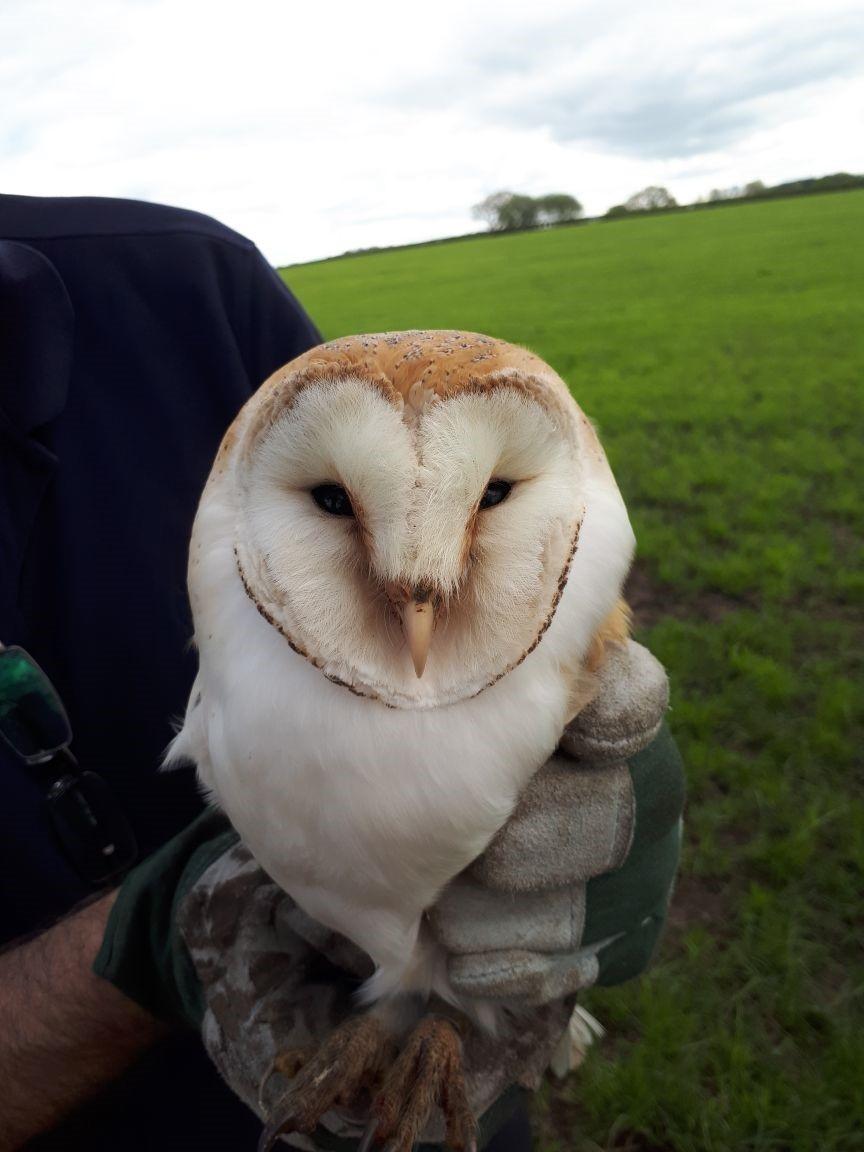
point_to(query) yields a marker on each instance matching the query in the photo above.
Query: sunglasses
(91, 827)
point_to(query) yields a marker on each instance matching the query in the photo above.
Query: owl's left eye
(333, 498)
(496, 491)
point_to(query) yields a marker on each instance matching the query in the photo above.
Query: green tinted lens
(32, 718)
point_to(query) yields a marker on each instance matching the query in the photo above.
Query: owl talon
(348, 1064)
(428, 1071)
(272, 1131)
(369, 1134)
(285, 1064)
(262, 1087)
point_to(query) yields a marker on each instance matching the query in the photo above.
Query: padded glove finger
(575, 823)
(611, 932)
(572, 822)
(470, 918)
(627, 711)
(531, 978)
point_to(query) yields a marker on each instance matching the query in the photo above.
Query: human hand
(573, 890)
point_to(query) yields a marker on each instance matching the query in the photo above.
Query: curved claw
(265, 1080)
(344, 1067)
(428, 1072)
(368, 1135)
(272, 1131)
(276, 1127)
(285, 1064)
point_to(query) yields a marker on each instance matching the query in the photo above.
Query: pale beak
(418, 617)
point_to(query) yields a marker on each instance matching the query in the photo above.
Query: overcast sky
(316, 128)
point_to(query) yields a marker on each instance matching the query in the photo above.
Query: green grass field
(721, 354)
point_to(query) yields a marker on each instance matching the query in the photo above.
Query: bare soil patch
(651, 601)
(699, 901)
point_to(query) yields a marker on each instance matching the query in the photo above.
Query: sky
(321, 128)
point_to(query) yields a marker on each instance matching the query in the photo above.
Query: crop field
(721, 355)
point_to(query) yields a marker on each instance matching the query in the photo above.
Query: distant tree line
(511, 211)
(654, 199)
(514, 211)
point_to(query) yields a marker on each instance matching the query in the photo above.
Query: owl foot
(349, 1064)
(428, 1071)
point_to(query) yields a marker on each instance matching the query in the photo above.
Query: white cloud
(315, 131)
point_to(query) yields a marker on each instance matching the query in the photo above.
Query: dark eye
(334, 499)
(496, 491)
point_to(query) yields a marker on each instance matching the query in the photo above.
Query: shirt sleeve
(142, 952)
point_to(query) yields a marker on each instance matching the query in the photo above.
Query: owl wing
(582, 677)
(190, 743)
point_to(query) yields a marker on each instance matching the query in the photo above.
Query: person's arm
(64, 1031)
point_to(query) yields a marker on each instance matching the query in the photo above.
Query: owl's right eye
(333, 498)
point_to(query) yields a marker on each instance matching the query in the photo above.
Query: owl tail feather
(581, 1033)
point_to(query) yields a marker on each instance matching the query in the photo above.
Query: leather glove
(200, 933)
(274, 980)
(573, 891)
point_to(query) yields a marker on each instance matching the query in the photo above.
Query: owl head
(408, 510)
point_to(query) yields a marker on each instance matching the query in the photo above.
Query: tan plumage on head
(405, 569)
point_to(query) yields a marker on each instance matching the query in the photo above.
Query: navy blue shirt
(130, 335)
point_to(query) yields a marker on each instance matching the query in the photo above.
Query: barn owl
(404, 568)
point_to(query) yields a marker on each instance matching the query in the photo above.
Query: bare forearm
(64, 1032)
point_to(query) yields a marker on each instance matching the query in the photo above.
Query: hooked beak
(418, 618)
